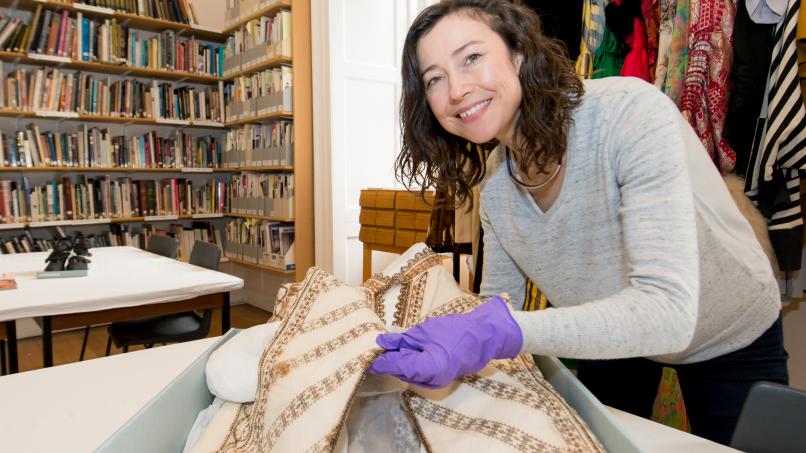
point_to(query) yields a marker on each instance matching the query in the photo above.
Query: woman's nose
(459, 87)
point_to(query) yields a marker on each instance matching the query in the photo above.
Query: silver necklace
(527, 186)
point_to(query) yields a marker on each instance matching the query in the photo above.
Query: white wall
(210, 13)
(357, 46)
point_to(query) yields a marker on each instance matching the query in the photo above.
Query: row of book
(13, 32)
(258, 40)
(59, 34)
(265, 144)
(138, 235)
(236, 10)
(105, 198)
(167, 51)
(262, 194)
(260, 242)
(94, 147)
(172, 10)
(188, 103)
(25, 243)
(68, 92)
(259, 84)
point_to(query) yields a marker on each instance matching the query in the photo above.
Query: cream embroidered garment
(314, 394)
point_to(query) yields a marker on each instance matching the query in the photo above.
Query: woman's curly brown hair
(431, 157)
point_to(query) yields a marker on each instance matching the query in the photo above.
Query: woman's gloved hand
(440, 350)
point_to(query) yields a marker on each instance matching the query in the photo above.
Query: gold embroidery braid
(514, 437)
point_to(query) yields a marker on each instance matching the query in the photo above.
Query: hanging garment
(623, 18)
(650, 10)
(593, 26)
(704, 102)
(667, 12)
(609, 56)
(752, 48)
(678, 53)
(779, 147)
(314, 393)
(766, 11)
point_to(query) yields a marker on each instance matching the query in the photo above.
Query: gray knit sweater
(643, 253)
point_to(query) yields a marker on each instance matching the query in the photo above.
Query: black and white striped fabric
(778, 155)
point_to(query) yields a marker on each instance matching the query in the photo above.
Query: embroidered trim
(334, 316)
(246, 427)
(501, 432)
(284, 367)
(461, 305)
(524, 370)
(312, 394)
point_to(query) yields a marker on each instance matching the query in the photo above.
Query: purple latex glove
(440, 350)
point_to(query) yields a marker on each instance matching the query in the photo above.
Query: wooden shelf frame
(115, 170)
(130, 20)
(260, 118)
(267, 11)
(260, 217)
(268, 64)
(11, 113)
(110, 68)
(106, 221)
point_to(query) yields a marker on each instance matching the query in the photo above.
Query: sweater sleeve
(655, 312)
(500, 274)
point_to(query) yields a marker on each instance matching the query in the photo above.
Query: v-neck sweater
(642, 254)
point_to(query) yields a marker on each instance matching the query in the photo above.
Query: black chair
(773, 420)
(163, 245)
(171, 328)
(160, 245)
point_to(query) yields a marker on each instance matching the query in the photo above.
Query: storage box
(164, 423)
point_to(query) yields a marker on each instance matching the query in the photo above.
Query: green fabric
(609, 56)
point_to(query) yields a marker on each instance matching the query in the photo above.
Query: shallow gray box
(165, 421)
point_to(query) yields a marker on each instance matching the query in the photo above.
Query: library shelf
(268, 64)
(72, 116)
(108, 68)
(259, 118)
(260, 217)
(265, 11)
(131, 20)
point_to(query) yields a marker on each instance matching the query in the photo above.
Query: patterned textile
(314, 394)
(704, 102)
(678, 53)
(593, 27)
(650, 9)
(667, 14)
(779, 149)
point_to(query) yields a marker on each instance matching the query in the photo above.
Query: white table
(122, 283)
(76, 407)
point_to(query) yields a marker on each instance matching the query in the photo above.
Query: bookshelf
(240, 20)
(184, 44)
(296, 56)
(133, 20)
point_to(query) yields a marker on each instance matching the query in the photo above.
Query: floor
(67, 345)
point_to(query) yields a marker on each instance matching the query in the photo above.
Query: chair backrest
(773, 420)
(163, 245)
(205, 254)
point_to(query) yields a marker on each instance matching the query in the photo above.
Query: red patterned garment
(650, 9)
(705, 95)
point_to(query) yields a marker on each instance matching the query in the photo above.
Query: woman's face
(471, 79)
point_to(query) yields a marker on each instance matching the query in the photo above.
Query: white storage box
(164, 423)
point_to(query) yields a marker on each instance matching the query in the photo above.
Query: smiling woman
(601, 194)
(475, 78)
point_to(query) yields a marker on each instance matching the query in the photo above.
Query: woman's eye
(432, 81)
(472, 58)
